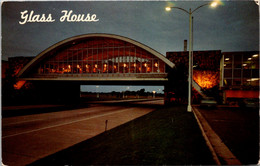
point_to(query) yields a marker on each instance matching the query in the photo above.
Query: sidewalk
(231, 133)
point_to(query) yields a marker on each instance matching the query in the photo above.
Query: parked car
(208, 102)
(249, 103)
(170, 98)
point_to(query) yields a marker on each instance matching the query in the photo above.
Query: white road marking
(79, 112)
(66, 123)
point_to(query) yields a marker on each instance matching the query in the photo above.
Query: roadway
(30, 137)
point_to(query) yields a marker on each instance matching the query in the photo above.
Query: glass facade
(241, 69)
(99, 55)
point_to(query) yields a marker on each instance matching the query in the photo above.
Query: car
(249, 103)
(208, 102)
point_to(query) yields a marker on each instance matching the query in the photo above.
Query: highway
(30, 137)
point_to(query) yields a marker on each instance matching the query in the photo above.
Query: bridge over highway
(94, 59)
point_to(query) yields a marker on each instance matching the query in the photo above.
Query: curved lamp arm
(200, 7)
(179, 9)
(191, 12)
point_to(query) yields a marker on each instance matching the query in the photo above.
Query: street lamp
(190, 12)
(97, 91)
(154, 93)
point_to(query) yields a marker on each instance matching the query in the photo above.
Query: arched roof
(68, 41)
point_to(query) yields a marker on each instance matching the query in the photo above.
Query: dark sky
(232, 26)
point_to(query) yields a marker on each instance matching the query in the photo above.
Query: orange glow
(124, 65)
(19, 84)
(206, 79)
(156, 64)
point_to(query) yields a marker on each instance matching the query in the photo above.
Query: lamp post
(190, 12)
(154, 93)
(97, 91)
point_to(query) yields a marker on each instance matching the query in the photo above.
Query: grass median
(169, 135)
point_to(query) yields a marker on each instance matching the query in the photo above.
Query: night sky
(232, 26)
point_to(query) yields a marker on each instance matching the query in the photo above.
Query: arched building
(93, 59)
(97, 57)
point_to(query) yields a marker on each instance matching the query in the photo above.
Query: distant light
(168, 9)
(249, 59)
(253, 79)
(244, 64)
(256, 55)
(227, 59)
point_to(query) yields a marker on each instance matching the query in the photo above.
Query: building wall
(206, 66)
(240, 76)
(236, 73)
(240, 70)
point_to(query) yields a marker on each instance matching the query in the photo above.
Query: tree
(8, 90)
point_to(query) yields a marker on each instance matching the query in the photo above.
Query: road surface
(31, 137)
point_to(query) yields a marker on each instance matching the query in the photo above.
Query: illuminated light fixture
(77, 66)
(256, 55)
(134, 64)
(96, 65)
(227, 59)
(114, 66)
(145, 65)
(244, 64)
(214, 4)
(156, 64)
(225, 64)
(168, 9)
(249, 59)
(124, 65)
(69, 66)
(254, 79)
(105, 65)
(87, 66)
